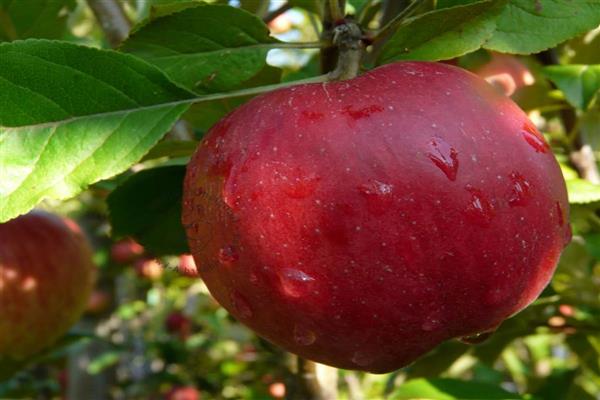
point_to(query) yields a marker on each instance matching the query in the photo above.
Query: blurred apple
(149, 268)
(178, 324)
(46, 276)
(187, 265)
(126, 251)
(183, 393)
(98, 302)
(506, 73)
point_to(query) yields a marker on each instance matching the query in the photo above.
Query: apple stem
(348, 38)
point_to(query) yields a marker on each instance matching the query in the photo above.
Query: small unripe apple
(46, 276)
(126, 251)
(361, 223)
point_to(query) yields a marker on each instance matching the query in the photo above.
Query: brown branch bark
(276, 13)
(112, 19)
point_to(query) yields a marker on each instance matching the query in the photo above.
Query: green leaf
(582, 192)
(204, 115)
(22, 19)
(579, 83)
(208, 48)
(508, 26)
(443, 34)
(530, 26)
(172, 148)
(72, 116)
(450, 389)
(147, 206)
(557, 385)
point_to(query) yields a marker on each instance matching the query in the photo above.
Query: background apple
(187, 265)
(149, 268)
(126, 251)
(46, 276)
(361, 223)
(183, 393)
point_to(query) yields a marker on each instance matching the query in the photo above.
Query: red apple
(46, 276)
(187, 265)
(183, 393)
(149, 268)
(361, 223)
(507, 73)
(126, 251)
(98, 302)
(277, 390)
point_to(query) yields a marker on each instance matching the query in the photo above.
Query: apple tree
(303, 199)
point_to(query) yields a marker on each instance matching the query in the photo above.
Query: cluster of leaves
(116, 128)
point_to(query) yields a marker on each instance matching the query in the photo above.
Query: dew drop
(479, 210)
(228, 255)
(520, 192)
(295, 283)
(362, 358)
(430, 324)
(303, 336)
(379, 196)
(477, 338)
(444, 156)
(240, 305)
(534, 138)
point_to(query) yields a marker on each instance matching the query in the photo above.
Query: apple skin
(361, 223)
(178, 324)
(46, 277)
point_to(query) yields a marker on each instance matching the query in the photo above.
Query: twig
(336, 10)
(393, 24)
(306, 385)
(277, 12)
(112, 19)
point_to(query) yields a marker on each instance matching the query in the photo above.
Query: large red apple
(360, 223)
(46, 276)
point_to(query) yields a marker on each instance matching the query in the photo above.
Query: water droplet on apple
(477, 338)
(520, 193)
(228, 255)
(479, 210)
(295, 283)
(240, 305)
(534, 138)
(379, 195)
(430, 324)
(303, 336)
(362, 358)
(444, 156)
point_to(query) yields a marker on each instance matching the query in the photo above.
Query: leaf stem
(112, 19)
(300, 45)
(336, 10)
